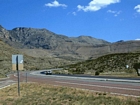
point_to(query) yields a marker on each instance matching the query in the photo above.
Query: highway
(112, 85)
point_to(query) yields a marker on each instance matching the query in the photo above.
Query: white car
(49, 72)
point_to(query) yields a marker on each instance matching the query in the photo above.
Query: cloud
(74, 13)
(137, 8)
(96, 5)
(116, 13)
(110, 11)
(55, 3)
(137, 39)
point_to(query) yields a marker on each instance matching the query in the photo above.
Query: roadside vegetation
(119, 64)
(43, 94)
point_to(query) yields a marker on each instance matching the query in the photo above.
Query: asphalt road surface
(120, 86)
(6, 82)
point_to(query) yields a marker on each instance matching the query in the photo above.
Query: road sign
(17, 62)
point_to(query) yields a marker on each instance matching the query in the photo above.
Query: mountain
(42, 42)
(54, 44)
(42, 38)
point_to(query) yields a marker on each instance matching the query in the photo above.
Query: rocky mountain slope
(54, 44)
(42, 38)
(42, 42)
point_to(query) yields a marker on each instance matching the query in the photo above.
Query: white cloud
(74, 13)
(55, 3)
(137, 8)
(111, 11)
(116, 13)
(96, 5)
(137, 39)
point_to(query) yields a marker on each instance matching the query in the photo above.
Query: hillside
(30, 63)
(107, 64)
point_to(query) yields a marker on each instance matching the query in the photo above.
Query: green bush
(97, 73)
(136, 67)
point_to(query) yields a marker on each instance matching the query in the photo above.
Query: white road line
(97, 86)
(125, 95)
(7, 86)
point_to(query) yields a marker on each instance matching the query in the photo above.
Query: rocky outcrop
(42, 38)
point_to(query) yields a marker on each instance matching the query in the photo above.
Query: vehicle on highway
(49, 72)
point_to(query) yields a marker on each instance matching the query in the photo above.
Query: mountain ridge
(82, 47)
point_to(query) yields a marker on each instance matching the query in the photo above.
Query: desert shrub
(136, 67)
(97, 73)
(129, 70)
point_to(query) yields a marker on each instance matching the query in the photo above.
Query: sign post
(17, 64)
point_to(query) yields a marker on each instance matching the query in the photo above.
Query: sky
(110, 20)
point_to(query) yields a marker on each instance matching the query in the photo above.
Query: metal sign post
(17, 64)
(26, 76)
(18, 76)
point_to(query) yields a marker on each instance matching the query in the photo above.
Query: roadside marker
(17, 64)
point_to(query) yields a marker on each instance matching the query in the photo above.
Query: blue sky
(111, 20)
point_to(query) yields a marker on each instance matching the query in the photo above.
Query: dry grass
(120, 74)
(43, 94)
